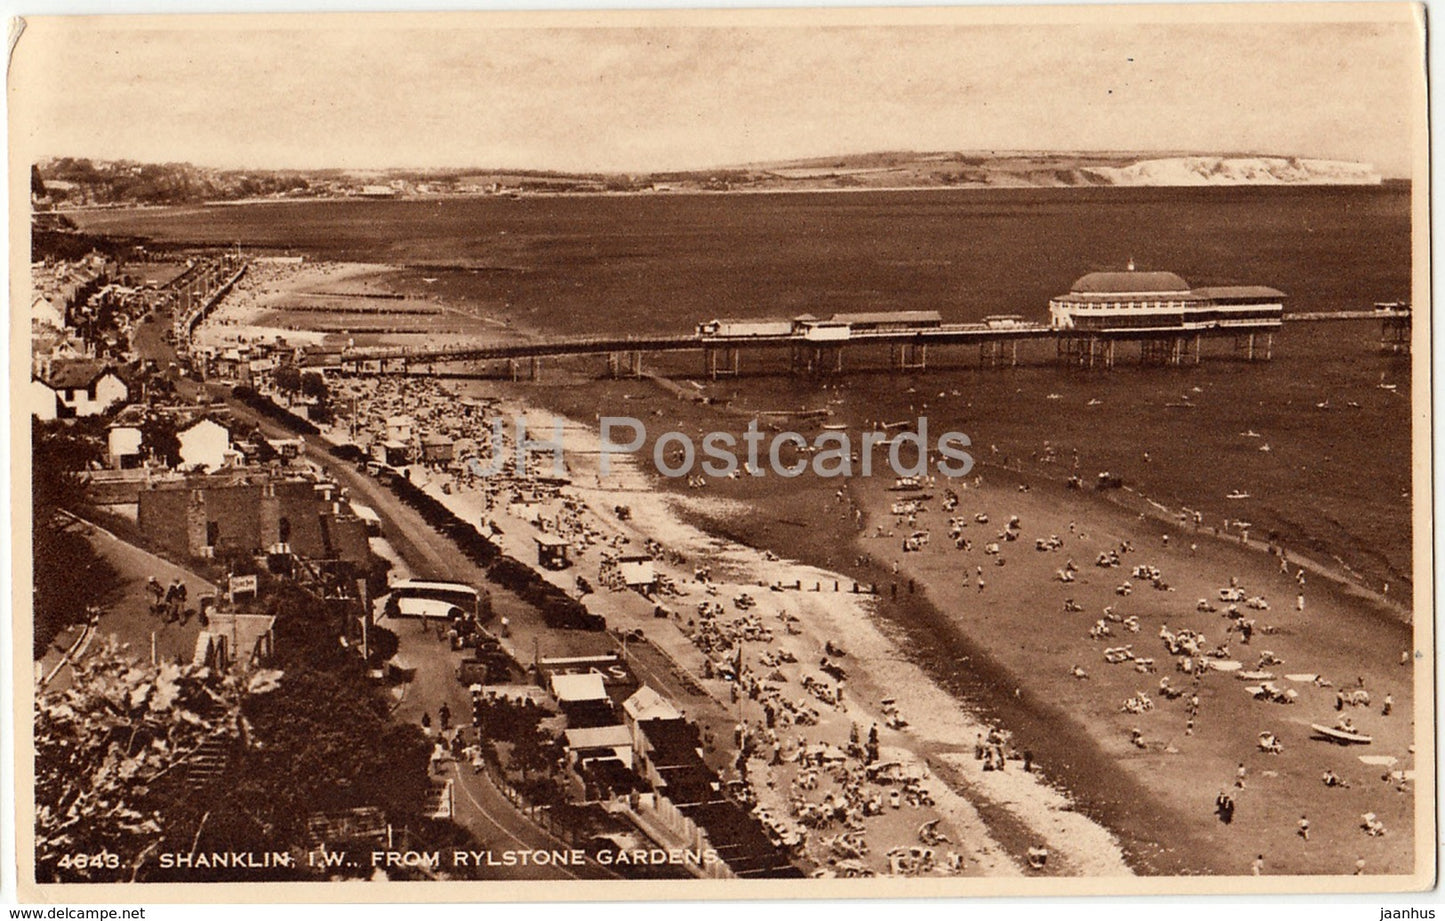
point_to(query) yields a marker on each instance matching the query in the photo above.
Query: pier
(906, 350)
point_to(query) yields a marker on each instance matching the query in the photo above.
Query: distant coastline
(67, 185)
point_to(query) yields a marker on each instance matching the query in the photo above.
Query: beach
(1008, 653)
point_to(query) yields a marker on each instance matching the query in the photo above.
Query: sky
(635, 93)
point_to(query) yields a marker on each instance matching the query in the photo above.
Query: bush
(349, 453)
(266, 407)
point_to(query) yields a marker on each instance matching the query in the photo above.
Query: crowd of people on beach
(1208, 666)
(744, 647)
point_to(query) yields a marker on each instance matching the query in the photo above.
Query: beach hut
(634, 571)
(437, 448)
(552, 551)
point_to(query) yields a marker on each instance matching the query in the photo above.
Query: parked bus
(434, 600)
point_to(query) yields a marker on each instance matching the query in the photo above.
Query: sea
(1319, 438)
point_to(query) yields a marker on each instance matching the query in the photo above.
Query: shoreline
(1038, 693)
(1035, 809)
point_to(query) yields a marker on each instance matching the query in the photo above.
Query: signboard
(243, 585)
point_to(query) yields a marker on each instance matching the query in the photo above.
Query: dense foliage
(271, 410)
(70, 576)
(116, 754)
(108, 755)
(85, 181)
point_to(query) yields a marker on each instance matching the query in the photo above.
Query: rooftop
(599, 737)
(1240, 292)
(1130, 283)
(647, 704)
(73, 375)
(889, 316)
(588, 686)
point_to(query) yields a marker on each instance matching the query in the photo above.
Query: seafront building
(1160, 311)
(1162, 301)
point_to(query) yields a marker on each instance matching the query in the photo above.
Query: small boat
(1054, 396)
(1342, 736)
(1250, 434)
(1096, 402)
(1238, 494)
(1184, 405)
(1264, 448)
(905, 484)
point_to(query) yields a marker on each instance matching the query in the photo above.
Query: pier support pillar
(729, 365)
(909, 356)
(1395, 333)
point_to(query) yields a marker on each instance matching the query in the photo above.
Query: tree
(158, 436)
(534, 751)
(69, 576)
(384, 644)
(287, 379)
(325, 742)
(314, 385)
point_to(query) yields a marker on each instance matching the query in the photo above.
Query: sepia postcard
(722, 454)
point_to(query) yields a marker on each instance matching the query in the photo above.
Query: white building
(123, 445)
(45, 312)
(43, 403)
(205, 444)
(85, 388)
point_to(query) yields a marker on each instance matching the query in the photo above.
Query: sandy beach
(1008, 653)
(790, 632)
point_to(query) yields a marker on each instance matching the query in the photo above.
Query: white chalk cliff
(1193, 171)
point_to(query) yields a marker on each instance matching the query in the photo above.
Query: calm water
(1336, 479)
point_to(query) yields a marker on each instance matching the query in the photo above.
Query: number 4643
(101, 861)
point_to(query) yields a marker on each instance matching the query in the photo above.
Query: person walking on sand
(1299, 602)
(1304, 828)
(1257, 868)
(1224, 807)
(1389, 705)
(1239, 773)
